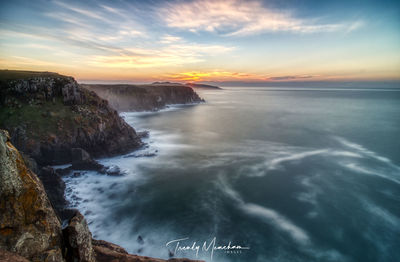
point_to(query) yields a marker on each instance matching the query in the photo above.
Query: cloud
(213, 75)
(239, 18)
(174, 52)
(224, 75)
(294, 77)
(168, 39)
(100, 23)
(110, 37)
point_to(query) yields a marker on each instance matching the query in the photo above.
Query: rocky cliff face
(30, 229)
(28, 223)
(47, 115)
(145, 97)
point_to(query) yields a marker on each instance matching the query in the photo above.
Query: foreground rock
(49, 114)
(78, 240)
(30, 229)
(55, 189)
(28, 223)
(81, 160)
(151, 97)
(106, 252)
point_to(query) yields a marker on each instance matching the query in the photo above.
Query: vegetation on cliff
(48, 114)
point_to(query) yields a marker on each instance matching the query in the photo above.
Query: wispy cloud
(173, 52)
(213, 75)
(223, 75)
(287, 78)
(112, 38)
(238, 18)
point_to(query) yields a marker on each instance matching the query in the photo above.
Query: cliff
(202, 86)
(28, 223)
(150, 97)
(30, 229)
(48, 114)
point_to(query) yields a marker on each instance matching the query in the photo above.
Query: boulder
(113, 171)
(79, 155)
(143, 134)
(78, 240)
(81, 160)
(55, 189)
(29, 226)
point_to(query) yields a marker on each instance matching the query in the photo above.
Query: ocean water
(272, 174)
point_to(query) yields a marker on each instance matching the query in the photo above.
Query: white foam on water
(362, 150)
(310, 196)
(91, 193)
(345, 154)
(368, 171)
(383, 214)
(271, 216)
(267, 215)
(282, 223)
(89, 198)
(274, 163)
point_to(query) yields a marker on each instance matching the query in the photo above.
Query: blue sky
(204, 40)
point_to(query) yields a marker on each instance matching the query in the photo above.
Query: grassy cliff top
(7, 75)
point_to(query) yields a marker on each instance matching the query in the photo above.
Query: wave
(274, 163)
(362, 150)
(383, 214)
(363, 170)
(267, 215)
(271, 216)
(168, 108)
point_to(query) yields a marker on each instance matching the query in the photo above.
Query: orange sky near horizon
(202, 40)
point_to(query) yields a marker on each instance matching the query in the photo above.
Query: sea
(256, 174)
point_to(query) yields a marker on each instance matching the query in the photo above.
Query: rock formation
(52, 120)
(48, 115)
(28, 223)
(145, 97)
(30, 229)
(78, 240)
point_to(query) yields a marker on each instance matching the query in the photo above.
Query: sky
(203, 40)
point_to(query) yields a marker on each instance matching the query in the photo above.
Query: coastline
(70, 160)
(87, 188)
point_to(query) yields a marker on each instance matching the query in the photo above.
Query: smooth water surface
(292, 174)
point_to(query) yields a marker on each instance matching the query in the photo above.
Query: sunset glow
(203, 40)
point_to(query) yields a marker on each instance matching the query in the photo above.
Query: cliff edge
(150, 97)
(47, 114)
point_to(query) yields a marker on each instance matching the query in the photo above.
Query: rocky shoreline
(52, 120)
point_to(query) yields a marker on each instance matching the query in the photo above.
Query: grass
(7, 75)
(41, 120)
